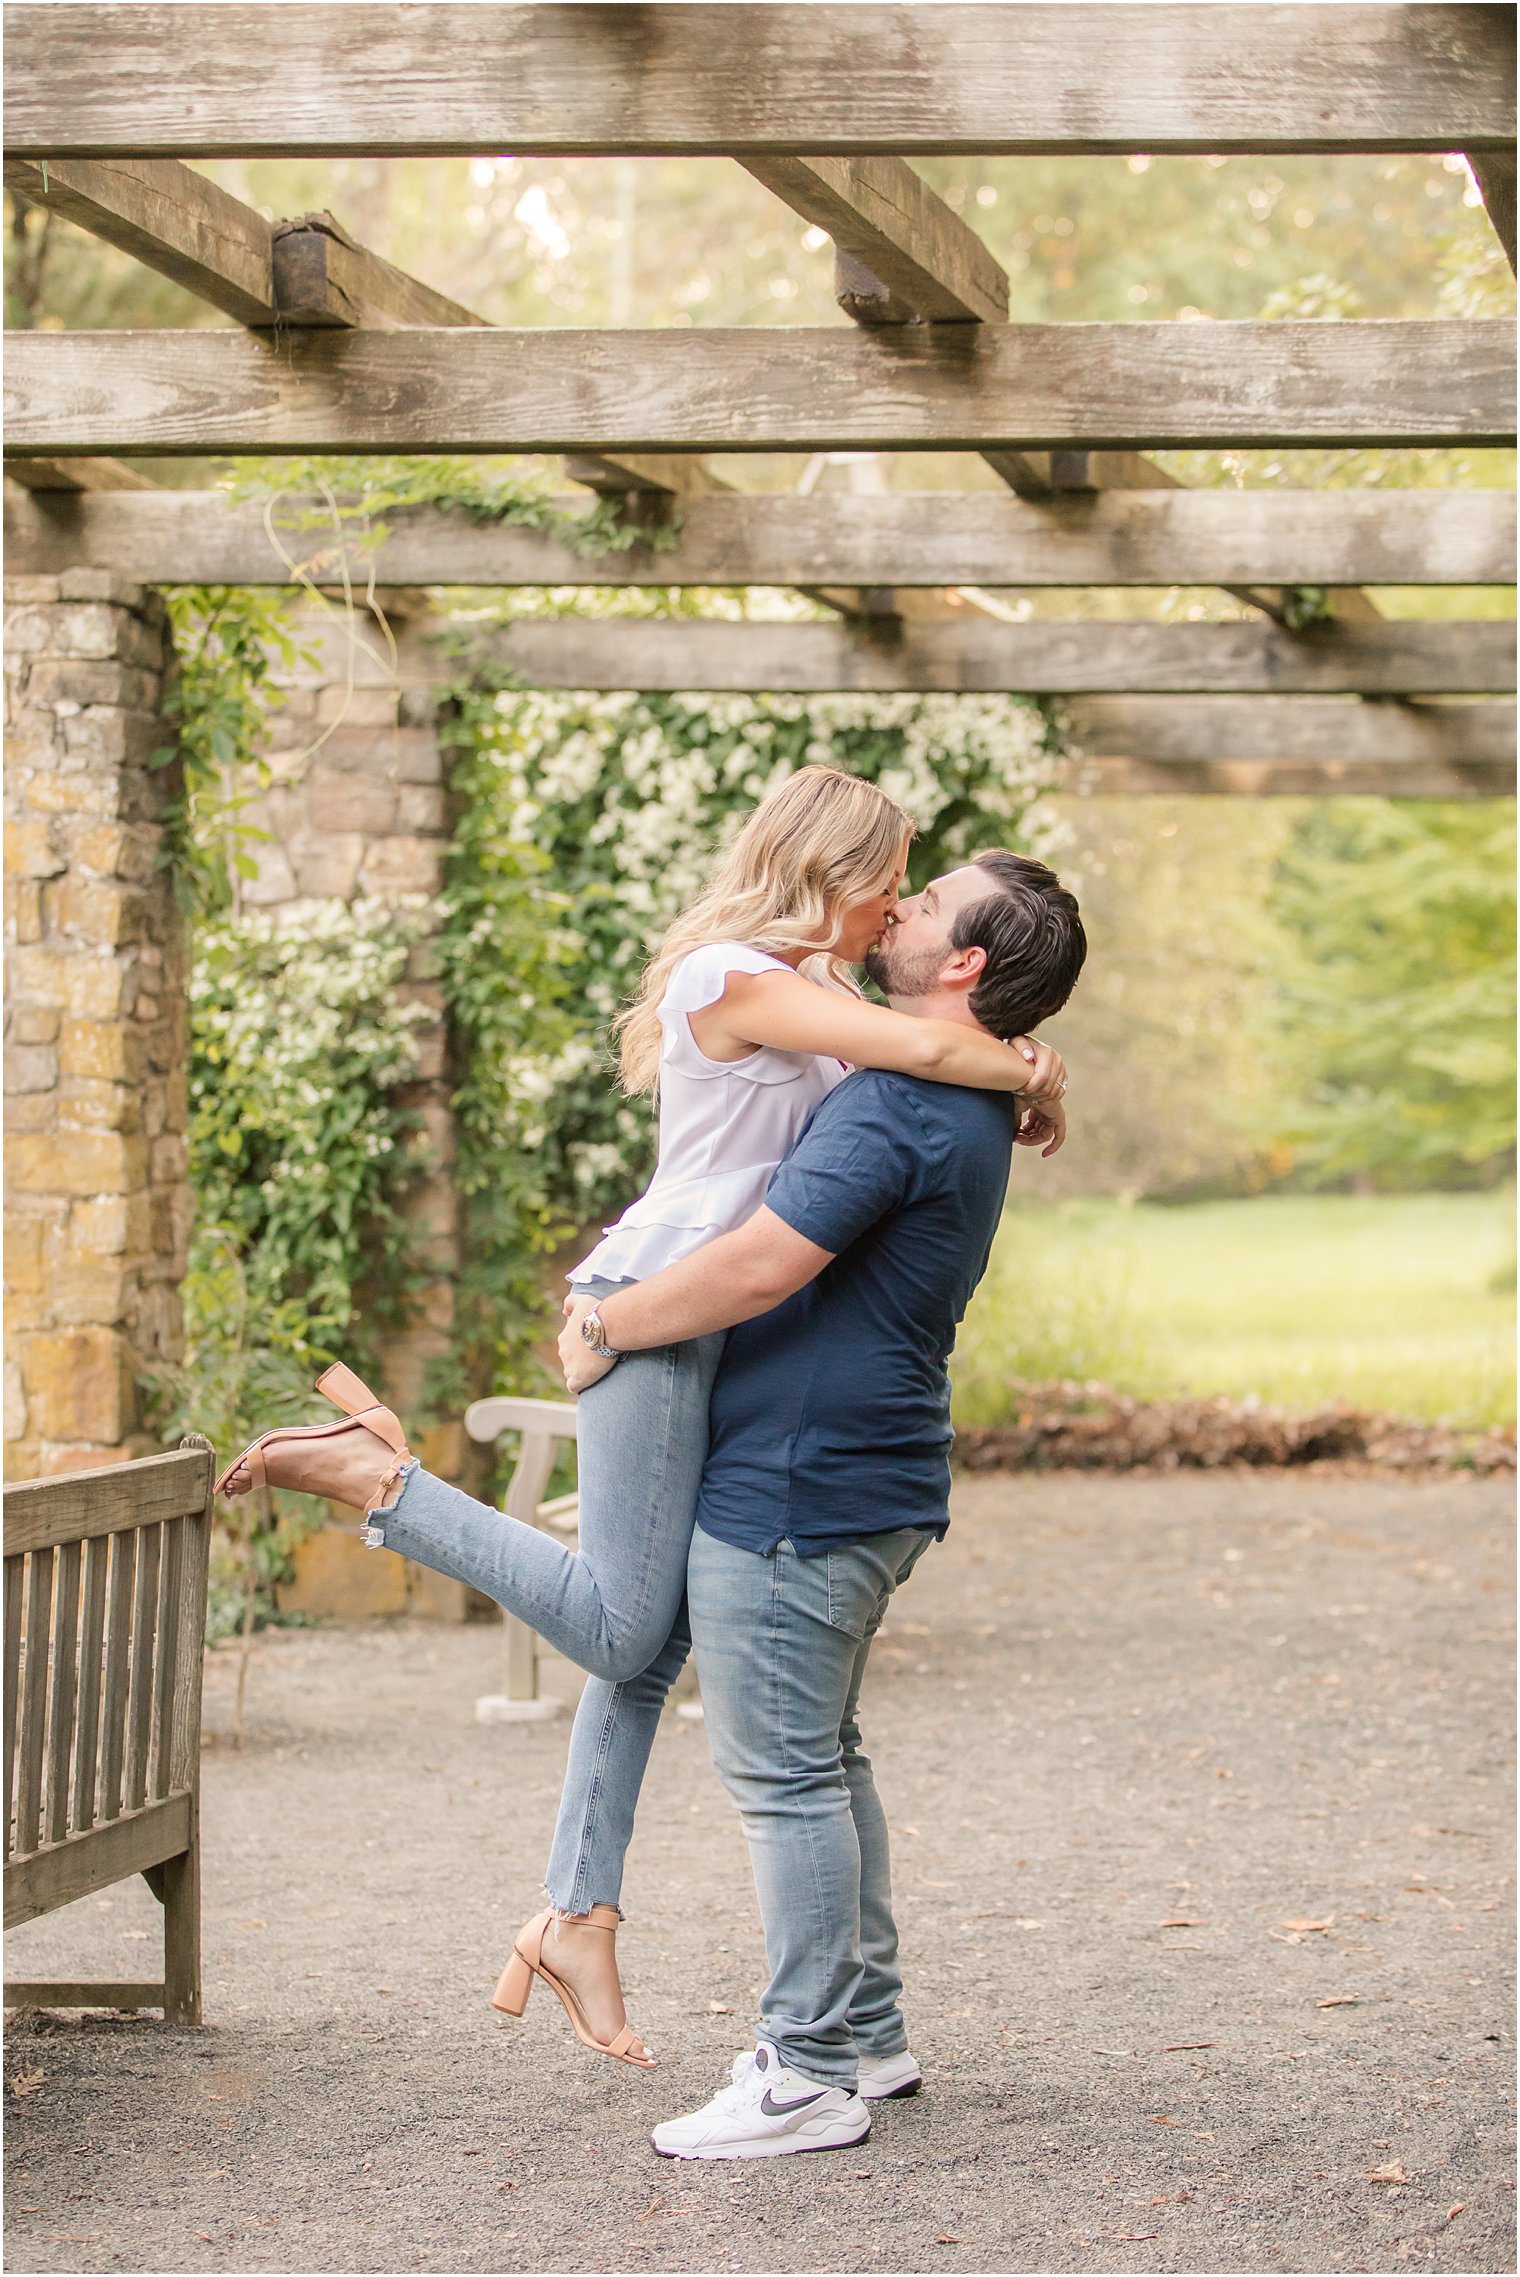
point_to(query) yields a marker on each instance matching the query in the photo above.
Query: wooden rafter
(198, 80)
(921, 259)
(892, 538)
(921, 387)
(1292, 778)
(1040, 657)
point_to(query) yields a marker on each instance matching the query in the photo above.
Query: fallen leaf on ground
(718, 2008)
(206, 2234)
(945, 2238)
(1338, 2000)
(1392, 2172)
(1451, 2211)
(255, 1923)
(655, 2206)
(1181, 1921)
(1304, 1927)
(1182, 2047)
(1133, 2237)
(1174, 2198)
(1158, 2121)
(27, 2082)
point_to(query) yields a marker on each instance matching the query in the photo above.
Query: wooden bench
(544, 1424)
(105, 1614)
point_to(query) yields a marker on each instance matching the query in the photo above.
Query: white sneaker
(884, 2077)
(768, 2111)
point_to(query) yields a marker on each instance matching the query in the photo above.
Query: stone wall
(98, 1209)
(357, 810)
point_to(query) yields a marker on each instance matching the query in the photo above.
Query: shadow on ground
(1201, 1798)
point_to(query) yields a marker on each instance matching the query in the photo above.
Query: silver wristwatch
(594, 1334)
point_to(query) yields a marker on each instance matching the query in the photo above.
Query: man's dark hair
(1032, 933)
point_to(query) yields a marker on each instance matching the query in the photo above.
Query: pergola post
(98, 1206)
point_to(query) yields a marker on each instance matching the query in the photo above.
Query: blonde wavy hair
(816, 843)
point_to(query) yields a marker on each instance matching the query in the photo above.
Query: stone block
(54, 1462)
(78, 982)
(401, 865)
(105, 1226)
(421, 807)
(31, 589)
(100, 585)
(357, 707)
(32, 739)
(105, 736)
(31, 1111)
(34, 1024)
(26, 1254)
(326, 865)
(87, 628)
(23, 910)
(274, 881)
(169, 1162)
(418, 707)
(57, 680)
(90, 909)
(415, 756)
(91, 1292)
(29, 632)
(31, 851)
(30, 1067)
(23, 1459)
(15, 1402)
(76, 1162)
(87, 1105)
(80, 1384)
(350, 802)
(56, 790)
(104, 1050)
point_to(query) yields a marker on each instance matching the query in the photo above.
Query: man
(828, 1476)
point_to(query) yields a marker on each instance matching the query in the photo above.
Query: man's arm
(734, 1278)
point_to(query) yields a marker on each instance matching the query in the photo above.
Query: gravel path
(1201, 1796)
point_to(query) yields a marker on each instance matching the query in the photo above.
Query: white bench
(544, 1424)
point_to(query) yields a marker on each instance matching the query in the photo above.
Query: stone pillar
(358, 811)
(98, 1207)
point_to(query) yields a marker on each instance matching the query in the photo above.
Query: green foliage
(1395, 1016)
(357, 494)
(625, 798)
(229, 642)
(504, 958)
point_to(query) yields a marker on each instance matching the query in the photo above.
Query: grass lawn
(1399, 1302)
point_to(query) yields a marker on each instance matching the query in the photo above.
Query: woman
(747, 1017)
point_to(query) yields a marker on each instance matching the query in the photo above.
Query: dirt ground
(1201, 1790)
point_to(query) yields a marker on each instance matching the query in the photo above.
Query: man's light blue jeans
(782, 1644)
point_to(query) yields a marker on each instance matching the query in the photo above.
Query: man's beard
(899, 972)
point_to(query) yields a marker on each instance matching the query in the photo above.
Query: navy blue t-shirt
(830, 1416)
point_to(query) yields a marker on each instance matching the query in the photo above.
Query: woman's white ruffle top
(724, 1126)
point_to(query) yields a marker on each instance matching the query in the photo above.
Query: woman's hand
(1046, 1081)
(582, 1366)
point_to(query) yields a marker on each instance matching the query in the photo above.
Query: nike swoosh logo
(775, 2110)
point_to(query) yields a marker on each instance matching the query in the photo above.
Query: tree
(1395, 1008)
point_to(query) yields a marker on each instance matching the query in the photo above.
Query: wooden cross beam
(915, 387)
(1041, 657)
(892, 538)
(384, 78)
(1301, 746)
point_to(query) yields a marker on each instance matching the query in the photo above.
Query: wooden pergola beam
(374, 79)
(1290, 778)
(887, 219)
(57, 479)
(918, 387)
(1308, 731)
(167, 217)
(891, 538)
(983, 655)
(1494, 172)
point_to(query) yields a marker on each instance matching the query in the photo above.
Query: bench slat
(64, 1688)
(39, 1610)
(118, 1661)
(44, 1512)
(140, 1697)
(166, 1652)
(185, 1726)
(92, 1623)
(20, 1994)
(89, 1862)
(15, 1583)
